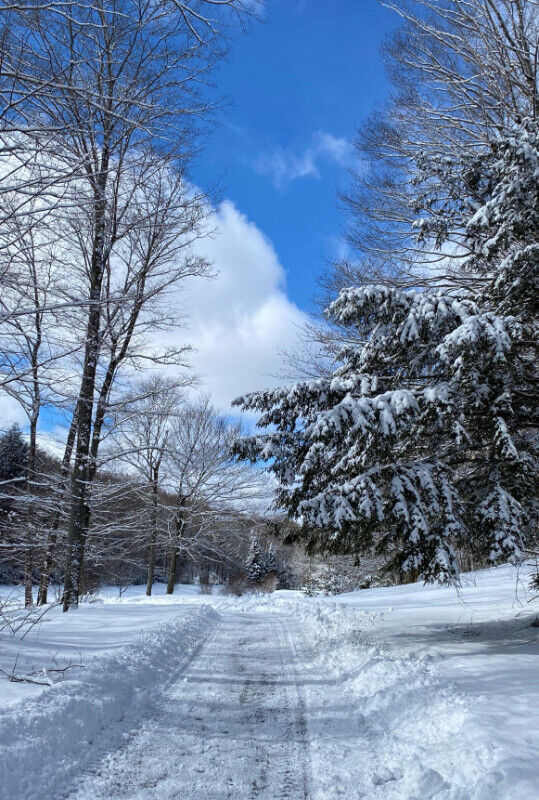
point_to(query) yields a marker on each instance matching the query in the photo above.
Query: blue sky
(299, 85)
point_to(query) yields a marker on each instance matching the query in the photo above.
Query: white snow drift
(47, 741)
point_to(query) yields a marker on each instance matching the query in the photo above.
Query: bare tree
(31, 347)
(210, 486)
(44, 63)
(463, 73)
(100, 105)
(142, 435)
(152, 255)
(57, 514)
(130, 74)
(150, 258)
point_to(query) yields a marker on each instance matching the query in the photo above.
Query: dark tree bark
(155, 522)
(79, 515)
(176, 543)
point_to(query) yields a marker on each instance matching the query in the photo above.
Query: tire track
(232, 728)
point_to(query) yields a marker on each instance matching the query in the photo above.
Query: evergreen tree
(271, 565)
(424, 436)
(13, 476)
(321, 579)
(13, 458)
(254, 561)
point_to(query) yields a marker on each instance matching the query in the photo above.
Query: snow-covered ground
(405, 693)
(61, 639)
(450, 685)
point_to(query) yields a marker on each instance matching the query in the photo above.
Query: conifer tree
(13, 456)
(13, 466)
(254, 561)
(425, 434)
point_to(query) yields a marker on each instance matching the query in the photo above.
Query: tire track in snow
(296, 782)
(233, 726)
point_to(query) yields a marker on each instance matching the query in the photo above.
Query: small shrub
(268, 584)
(236, 585)
(204, 585)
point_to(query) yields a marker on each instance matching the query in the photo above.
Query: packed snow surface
(404, 693)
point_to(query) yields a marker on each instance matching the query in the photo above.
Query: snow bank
(409, 729)
(47, 741)
(91, 631)
(444, 688)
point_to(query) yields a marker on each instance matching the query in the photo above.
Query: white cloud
(284, 166)
(339, 248)
(10, 412)
(239, 322)
(336, 148)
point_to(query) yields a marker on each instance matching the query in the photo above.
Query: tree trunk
(31, 484)
(30, 527)
(46, 566)
(48, 559)
(93, 444)
(153, 535)
(28, 594)
(172, 566)
(172, 569)
(79, 514)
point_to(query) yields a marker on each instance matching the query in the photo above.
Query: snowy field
(404, 693)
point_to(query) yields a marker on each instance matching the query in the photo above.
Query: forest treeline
(133, 540)
(139, 533)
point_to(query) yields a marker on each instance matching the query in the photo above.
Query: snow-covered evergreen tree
(253, 566)
(13, 467)
(13, 455)
(425, 434)
(321, 579)
(271, 565)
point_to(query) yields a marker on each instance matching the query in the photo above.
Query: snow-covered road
(232, 726)
(288, 701)
(398, 693)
